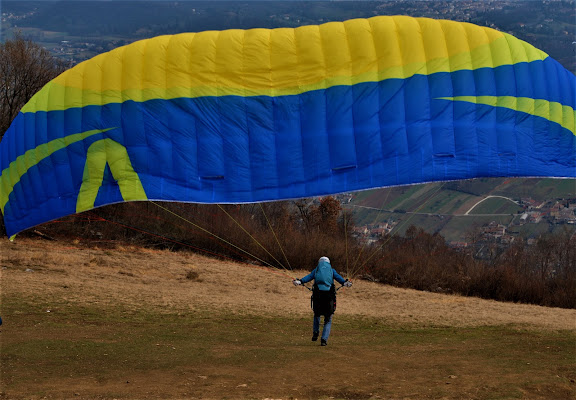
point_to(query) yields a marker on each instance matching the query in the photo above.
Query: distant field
(458, 228)
(496, 205)
(120, 322)
(445, 201)
(538, 189)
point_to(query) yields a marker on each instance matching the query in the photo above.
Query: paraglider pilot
(323, 296)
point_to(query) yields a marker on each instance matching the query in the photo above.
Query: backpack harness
(322, 301)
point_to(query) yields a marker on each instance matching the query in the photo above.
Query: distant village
(554, 212)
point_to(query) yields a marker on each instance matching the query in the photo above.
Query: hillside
(121, 322)
(158, 279)
(452, 209)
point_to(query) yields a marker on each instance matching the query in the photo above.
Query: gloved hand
(347, 283)
(296, 282)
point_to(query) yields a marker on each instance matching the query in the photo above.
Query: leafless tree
(25, 67)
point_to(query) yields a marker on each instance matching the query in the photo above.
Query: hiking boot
(323, 342)
(315, 336)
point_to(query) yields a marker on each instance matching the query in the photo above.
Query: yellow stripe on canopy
(283, 61)
(555, 112)
(12, 175)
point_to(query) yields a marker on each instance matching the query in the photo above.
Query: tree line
(294, 234)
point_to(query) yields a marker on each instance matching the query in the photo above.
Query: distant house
(535, 217)
(379, 231)
(494, 230)
(361, 230)
(529, 202)
(566, 214)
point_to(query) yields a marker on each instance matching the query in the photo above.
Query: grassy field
(120, 322)
(496, 205)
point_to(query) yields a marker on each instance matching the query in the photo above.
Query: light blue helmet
(326, 259)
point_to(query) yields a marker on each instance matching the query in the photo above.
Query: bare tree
(304, 208)
(25, 67)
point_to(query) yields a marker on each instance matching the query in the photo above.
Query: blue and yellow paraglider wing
(258, 115)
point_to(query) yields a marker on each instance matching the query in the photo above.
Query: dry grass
(135, 276)
(132, 323)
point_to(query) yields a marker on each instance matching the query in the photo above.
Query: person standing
(323, 296)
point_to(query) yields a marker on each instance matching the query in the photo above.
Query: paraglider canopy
(260, 115)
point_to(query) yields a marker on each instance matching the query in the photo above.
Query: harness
(323, 302)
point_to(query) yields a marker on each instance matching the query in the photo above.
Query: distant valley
(526, 207)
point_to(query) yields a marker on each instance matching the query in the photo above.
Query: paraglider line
(271, 270)
(275, 237)
(354, 266)
(249, 234)
(161, 237)
(213, 234)
(363, 265)
(98, 218)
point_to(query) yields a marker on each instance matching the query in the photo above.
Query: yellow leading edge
(284, 61)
